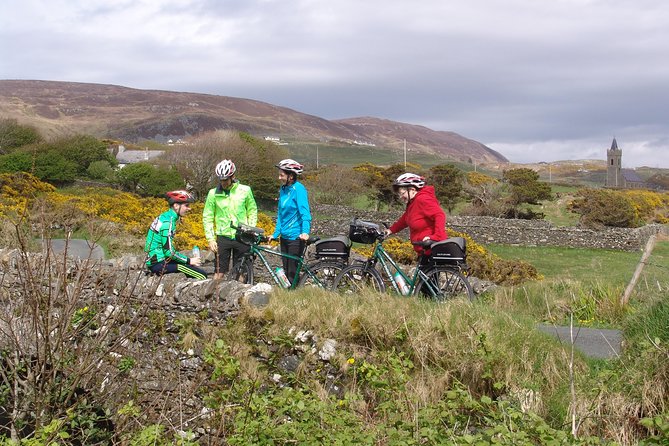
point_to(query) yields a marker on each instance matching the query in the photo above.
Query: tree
(48, 166)
(485, 194)
(148, 180)
(525, 188)
(82, 150)
(336, 185)
(603, 207)
(14, 135)
(255, 160)
(53, 167)
(16, 162)
(100, 170)
(448, 184)
(379, 181)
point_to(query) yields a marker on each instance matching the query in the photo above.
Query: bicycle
(441, 277)
(331, 254)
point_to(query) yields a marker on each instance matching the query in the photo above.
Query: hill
(132, 115)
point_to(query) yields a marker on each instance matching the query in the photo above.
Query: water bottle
(196, 252)
(401, 283)
(281, 275)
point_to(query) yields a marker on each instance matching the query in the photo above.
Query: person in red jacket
(423, 215)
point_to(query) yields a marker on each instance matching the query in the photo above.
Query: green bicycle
(331, 257)
(441, 276)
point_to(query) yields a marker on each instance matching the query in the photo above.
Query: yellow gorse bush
(17, 190)
(135, 214)
(650, 206)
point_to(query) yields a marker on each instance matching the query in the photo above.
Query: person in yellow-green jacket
(229, 202)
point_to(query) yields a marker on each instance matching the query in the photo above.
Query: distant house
(125, 157)
(616, 176)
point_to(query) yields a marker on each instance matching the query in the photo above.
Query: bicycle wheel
(450, 284)
(354, 278)
(243, 271)
(325, 272)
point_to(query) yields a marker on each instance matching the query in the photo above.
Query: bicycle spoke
(447, 284)
(355, 279)
(322, 274)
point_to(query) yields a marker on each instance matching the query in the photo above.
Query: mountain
(132, 115)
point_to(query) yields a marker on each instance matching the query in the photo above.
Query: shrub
(602, 207)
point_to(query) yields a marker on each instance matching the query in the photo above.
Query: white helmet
(225, 169)
(409, 180)
(290, 165)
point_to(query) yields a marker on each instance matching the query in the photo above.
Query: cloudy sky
(536, 80)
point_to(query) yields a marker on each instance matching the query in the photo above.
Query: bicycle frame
(259, 251)
(387, 262)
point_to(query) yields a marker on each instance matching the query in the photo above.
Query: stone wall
(487, 230)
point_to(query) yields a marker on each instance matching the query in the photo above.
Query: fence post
(650, 244)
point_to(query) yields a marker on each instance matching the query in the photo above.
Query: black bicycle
(331, 256)
(442, 276)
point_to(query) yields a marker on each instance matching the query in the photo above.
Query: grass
(584, 265)
(655, 275)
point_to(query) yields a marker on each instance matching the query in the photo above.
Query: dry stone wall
(488, 230)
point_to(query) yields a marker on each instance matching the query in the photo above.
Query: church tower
(614, 176)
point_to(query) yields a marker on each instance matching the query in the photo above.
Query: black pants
(293, 247)
(170, 266)
(228, 248)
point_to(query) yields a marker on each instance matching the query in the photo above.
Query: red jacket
(424, 217)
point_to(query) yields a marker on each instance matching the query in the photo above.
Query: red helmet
(290, 165)
(409, 180)
(179, 196)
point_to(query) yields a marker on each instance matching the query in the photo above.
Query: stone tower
(614, 176)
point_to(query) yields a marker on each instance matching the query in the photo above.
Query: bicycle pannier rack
(363, 231)
(336, 247)
(451, 251)
(248, 234)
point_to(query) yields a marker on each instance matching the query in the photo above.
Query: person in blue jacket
(293, 219)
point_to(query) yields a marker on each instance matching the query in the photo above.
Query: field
(351, 155)
(586, 265)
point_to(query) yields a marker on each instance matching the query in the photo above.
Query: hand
(426, 238)
(213, 246)
(196, 261)
(387, 232)
(304, 237)
(269, 238)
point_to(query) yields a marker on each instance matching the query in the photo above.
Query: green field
(352, 155)
(585, 265)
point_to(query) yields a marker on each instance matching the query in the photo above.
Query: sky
(535, 80)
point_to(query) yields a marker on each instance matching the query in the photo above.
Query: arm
(208, 217)
(170, 252)
(303, 210)
(398, 225)
(208, 214)
(251, 209)
(277, 228)
(433, 211)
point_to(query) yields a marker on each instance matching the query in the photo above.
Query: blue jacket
(293, 215)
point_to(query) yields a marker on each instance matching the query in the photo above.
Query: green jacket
(159, 240)
(223, 207)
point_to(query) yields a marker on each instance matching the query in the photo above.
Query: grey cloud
(515, 74)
